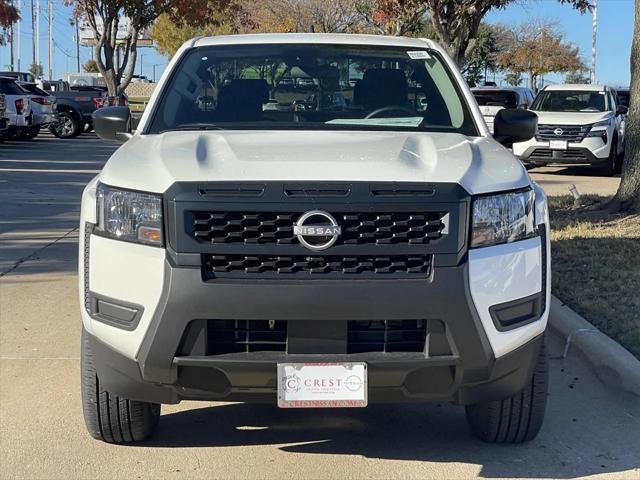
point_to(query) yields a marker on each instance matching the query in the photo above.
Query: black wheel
(108, 417)
(608, 168)
(32, 132)
(88, 127)
(515, 419)
(67, 126)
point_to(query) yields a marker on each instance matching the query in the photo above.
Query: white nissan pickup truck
(272, 244)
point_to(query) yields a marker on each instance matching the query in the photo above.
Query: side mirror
(512, 125)
(622, 110)
(112, 123)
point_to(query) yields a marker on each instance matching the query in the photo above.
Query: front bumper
(459, 363)
(590, 151)
(572, 156)
(141, 302)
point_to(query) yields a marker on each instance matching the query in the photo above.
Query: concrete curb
(615, 366)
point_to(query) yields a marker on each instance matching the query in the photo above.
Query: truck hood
(153, 162)
(570, 118)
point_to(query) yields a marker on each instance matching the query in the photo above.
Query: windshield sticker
(418, 55)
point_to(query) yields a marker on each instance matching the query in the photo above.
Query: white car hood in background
(153, 162)
(570, 118)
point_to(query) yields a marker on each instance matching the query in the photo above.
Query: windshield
(305, 86)
(571, 101)
(496, 98)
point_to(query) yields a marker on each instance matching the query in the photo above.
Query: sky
(615, 30)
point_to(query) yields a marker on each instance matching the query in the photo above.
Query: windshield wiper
(192, 126)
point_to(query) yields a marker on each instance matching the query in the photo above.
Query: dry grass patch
(596, 267)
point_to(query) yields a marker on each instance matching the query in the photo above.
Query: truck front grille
(317, 265)
(386, 336)
(217, 227)
(237, 336)
(570, 133)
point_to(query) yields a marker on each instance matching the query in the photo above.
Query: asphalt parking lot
(589, 431)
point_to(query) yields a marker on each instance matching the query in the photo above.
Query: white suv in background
(493, 99)
(577, 125)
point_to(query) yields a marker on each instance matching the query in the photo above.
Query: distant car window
(571, 101)
(496, 98)
(623, 99)
(9, 87)
(33, 89)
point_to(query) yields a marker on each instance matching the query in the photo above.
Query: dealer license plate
(322, 385)
(558, 144)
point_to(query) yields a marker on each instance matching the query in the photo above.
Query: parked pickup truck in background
(74, 107)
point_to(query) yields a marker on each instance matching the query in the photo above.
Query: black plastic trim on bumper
(590, 158)
(517, 313)
(389, 381)
(117, 313)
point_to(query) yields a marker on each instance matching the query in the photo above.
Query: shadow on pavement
(430, 433)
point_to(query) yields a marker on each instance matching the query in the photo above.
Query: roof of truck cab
(328, 38)
(576, 86)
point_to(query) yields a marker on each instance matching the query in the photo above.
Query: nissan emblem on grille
(317, 230)
(558, 131)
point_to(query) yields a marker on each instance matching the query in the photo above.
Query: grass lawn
(596, 267)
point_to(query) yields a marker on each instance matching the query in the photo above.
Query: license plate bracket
(558, 144)
(322, 385)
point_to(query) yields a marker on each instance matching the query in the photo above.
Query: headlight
(503, 218)
(130, 216)
(599, 130)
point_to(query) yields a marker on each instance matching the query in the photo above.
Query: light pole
(594, 31)
(141, 57)
(154, 70)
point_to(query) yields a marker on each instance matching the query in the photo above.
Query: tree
(107, 17)
(538, 48)
(320, 16)
(8, 14)
(394, 17)
(169, 34)
(36, 70)
(90, 66)
(513, 78)
(627, 197)
(578, 76)
(456, 22)
(481, 56)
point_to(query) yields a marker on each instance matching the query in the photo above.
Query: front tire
(609, 167)
(516, 419)
(67, 126)
(108, 417)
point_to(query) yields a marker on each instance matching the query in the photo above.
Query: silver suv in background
(493, 99)
(18, 108)
(43, 108)
(577, 125)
